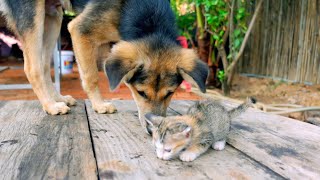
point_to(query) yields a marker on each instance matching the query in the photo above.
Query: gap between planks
(124, 151)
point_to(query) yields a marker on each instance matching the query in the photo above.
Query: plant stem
(231, 28)
(200, 22)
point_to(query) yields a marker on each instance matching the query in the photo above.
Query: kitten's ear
(182, 130)
(186, 132)
(153, 120)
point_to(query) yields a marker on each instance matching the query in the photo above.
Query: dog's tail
(242, 108)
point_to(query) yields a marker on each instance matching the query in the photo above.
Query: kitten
(207, 123)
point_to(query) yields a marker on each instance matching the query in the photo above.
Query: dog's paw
(105, 107)
(57, 108)
(188, 156)
(69, 100)
(219, 145)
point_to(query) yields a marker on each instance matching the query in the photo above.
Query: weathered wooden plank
(288, 147)
(34, 145)
(124, 151)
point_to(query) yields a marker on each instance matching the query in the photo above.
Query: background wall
(285, 41)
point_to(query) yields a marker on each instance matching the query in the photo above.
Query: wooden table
(87, 145)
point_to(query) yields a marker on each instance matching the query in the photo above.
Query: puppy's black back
(142, 18)
(79, 5)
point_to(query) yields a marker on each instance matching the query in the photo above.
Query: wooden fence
(285, 42)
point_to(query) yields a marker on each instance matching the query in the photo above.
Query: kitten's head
(171, 135)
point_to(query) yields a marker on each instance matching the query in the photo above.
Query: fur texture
(149, 60)
(207, 123)
(145, 54)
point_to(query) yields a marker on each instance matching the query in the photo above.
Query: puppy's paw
(56, 108)
(219, 145)
(105, 107)
(69, 100)
(188, 156)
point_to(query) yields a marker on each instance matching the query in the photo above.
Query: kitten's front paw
(219, 145)
(188, 156)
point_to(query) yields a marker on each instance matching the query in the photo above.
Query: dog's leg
(32, 40)
(90, 30)
(52, 30)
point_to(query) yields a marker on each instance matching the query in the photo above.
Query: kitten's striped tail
(242, 108)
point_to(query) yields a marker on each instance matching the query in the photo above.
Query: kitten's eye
(143, 94)
(167, 150)
(168, 95)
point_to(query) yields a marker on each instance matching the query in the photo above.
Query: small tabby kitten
(207, 123)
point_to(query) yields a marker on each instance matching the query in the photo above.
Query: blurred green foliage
(216, 21)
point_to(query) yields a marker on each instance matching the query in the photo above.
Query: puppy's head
(153, 73)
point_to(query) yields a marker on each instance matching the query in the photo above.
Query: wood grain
(124, 151)
(34, 145)
(288, 147)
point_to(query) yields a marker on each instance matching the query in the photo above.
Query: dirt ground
(271, 92)
(276, 92)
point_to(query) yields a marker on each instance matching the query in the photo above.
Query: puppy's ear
(193, 70)
(121, 64)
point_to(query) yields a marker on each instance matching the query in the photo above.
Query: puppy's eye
(168, 95)
(143, 94)
(167, 150)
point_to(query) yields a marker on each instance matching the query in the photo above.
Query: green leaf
(221, 75)
(237, 43)
(216, 37)
(221, 33)
(229, 56)
(242, 10)
(236, 32)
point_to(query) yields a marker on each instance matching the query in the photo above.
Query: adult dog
(145, 54)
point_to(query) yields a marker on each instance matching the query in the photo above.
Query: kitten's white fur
(188, 156)
(219, 145)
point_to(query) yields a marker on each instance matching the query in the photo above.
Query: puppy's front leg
(52, 26)
(86, 54)
(34, 66)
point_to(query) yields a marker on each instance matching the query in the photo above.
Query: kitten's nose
(159, 154)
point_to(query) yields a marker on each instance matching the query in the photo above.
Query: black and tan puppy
(146, 56)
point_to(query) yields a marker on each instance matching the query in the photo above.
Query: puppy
(145, 54)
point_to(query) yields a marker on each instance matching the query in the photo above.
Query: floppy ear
(116, 71)
(193, 70)
(121, 64)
